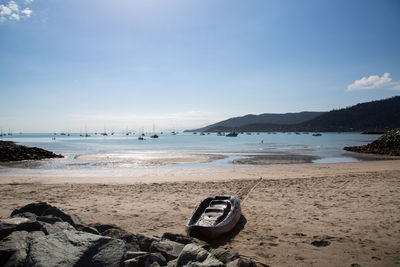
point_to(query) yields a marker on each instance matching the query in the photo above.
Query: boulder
(47, 213)
(56, 212)
(193, 255)
(14, 249)
(29, 215)
(135, 254)
(103, 227)
(169, 249)
(132, 242)
(172, 263)
(146, 260)
(7, 226)
(76, 220)
(75, 248)
(49, 219)
(49, 229)
(37, 208)
(145, 241)
(182, 239)
(225, 255)
(87, 229)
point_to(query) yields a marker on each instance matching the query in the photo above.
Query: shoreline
(197, 174)
(298, 215)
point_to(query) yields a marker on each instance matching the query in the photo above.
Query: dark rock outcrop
(7, 226)
(39, 234)
(169, 249)
(193, 255)
(387, 144)
(131, 240)
(75, 248)
(37, 208)
(9, 151)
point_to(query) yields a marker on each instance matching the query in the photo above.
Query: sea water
(126, 151)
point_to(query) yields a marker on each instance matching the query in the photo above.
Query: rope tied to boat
(244, 193)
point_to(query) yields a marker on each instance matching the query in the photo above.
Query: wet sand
(275, 159)
(297, 215)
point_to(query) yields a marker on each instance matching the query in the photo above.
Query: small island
(10, 151)
(387, 144)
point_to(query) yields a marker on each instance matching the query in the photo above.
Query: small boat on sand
(214, 216)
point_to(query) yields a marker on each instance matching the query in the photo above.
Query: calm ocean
(122, 151)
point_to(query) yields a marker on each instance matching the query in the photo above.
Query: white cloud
(15, 16)
(12, 11)
(26, 12)
(13, 6)
(374, 82)
(4, 10)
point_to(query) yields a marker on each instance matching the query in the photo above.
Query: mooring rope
(245, 196)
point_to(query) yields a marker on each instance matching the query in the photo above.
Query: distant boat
(86, 134)
(104, 133)
(154, 131)
(232, 134)
(214, 216)
(194, 133)
(202, 133)
(141, 135)
(316, 134)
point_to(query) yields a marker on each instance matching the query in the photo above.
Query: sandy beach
(344, 214)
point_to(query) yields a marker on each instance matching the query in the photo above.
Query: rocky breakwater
(9, 151)
(39, 234)
(387, 144)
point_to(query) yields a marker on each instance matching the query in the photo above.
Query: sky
(181, 64)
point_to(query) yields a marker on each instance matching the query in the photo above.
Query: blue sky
(128, 64)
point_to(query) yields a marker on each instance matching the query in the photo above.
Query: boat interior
(216, 211)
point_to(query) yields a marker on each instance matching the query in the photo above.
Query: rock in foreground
(39, 234)
(387, 144)
(9, 151)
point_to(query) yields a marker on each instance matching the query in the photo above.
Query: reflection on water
(121, 151)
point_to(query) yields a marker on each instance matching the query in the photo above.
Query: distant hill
(266, 118)
(380, 115)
